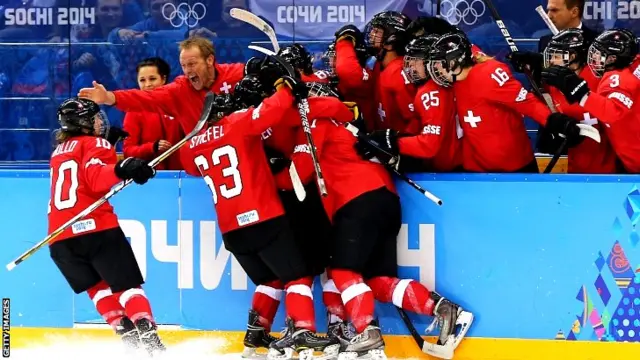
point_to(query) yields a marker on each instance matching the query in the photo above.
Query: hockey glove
(116, 134)
(571, 85)
(136, 169)
(387, 139)
(521, 60)
(364, 149)
(277, 160)
(298, 88)
(559, 123)
(350, 32)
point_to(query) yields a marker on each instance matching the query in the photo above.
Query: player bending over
(366, 216)
(93, 254)
(231, 157)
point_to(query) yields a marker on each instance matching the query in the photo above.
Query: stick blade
(11, 266)
(260, 49)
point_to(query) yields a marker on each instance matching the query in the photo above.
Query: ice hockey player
(494, 113)
(386, 37)
(569, 49)
(366, 215)
(231, 157)
(437, 141)
(93, 254)
(613, 56)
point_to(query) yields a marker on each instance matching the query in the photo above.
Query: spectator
(566, 14)
(151, 134)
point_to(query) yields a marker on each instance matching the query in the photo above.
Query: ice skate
(305, 343)
(256, 338)
(367, 345)
(129, 334)
(449, 317)
(339, 329)
(149, 337)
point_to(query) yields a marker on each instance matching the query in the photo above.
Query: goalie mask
(329, 57)
(77, 115)
(612, 50)
(416, 59)
(566, 48)
(320, 89)
(387, 28)
(298, 57)
(448, 56)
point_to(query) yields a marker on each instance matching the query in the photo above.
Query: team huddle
(433, 101)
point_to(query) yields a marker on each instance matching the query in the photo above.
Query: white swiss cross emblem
(225, 87)
(472, 119)
(381, 112)
(588, 120)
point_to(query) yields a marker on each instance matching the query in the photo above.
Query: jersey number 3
(230, 171)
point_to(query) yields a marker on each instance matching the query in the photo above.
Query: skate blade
(464, 320)
(439, 351)
(329, 353)
(276, 355)
(374, 354)
(446, 351)
(252, 354)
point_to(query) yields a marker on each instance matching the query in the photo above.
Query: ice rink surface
(198, 349)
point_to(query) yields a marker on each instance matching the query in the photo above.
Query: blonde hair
(203, 44)
(62, 136)
(481, 57)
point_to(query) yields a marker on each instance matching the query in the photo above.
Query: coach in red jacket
(184, 97)
(152, 133)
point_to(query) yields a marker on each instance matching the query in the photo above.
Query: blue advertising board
(533, 256)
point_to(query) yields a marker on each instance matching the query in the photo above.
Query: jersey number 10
(230, 171)
(68, 170)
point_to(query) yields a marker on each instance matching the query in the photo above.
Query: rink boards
(550, 265)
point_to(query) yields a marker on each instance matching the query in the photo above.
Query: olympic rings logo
(462, 11)
(184, 14)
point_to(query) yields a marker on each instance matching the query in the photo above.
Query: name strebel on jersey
(211, 133)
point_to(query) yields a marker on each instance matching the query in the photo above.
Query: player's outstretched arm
(161, 99)
(352, 76)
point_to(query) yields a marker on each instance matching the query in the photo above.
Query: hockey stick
(565, 142)
(253, 19)
(206, 113)
(545, 18)
(356, 132)
(303, 110)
